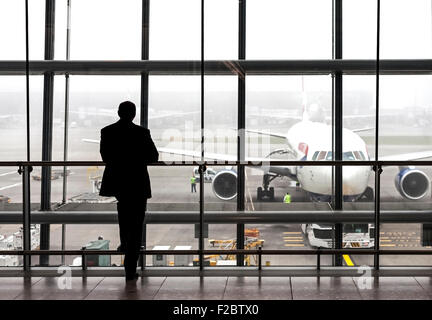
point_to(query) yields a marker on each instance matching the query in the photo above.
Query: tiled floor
(217, 288)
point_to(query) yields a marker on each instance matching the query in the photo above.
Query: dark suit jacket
(121, 143)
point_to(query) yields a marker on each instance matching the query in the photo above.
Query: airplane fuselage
(313, 141)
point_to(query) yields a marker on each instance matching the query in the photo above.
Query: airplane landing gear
(368, 195)
(266, 192)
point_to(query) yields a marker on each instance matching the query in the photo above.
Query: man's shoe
(132, 278)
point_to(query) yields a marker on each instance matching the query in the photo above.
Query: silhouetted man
(126, 149)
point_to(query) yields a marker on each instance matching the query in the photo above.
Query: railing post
(378, 170)
(319, 259)
(142, 259)
(241, 125)
(25, 172)
(83, 260)
(259, 258)
(201, 170)
(338, 127)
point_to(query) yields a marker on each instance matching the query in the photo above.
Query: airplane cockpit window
(321, 155)
(329, 155)
(355, 228)
(349, 156)
(359, 155)
(315, 155)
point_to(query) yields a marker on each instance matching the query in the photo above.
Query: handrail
(223, 217)
(224, 163)
(358, 251)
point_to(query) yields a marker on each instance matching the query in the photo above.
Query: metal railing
(25, 168)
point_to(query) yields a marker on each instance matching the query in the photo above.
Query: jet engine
(225, 184)
(412, 183)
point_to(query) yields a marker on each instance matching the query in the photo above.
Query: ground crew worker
(193, 184)
(287, 198)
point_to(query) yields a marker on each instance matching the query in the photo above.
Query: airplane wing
(275, 116)
(172, 114)
(286, 171)
(194, 154)
(264, 133)
(408, 156)
(362, 129)
(209, 155)
(91, 141)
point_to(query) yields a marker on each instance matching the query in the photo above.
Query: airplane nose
(354, 180)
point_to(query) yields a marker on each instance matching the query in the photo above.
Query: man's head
(127, 111)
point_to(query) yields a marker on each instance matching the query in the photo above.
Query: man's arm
(153, 154)
(105, 148)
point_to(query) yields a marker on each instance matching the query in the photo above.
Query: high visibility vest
(192, 180)
(287, 198)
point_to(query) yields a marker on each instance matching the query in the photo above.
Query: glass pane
(220, 138)
(171, 237)
(411, 39)
(174, 114)
(94, 36)
(359, 37)
(175, 31)
(405, 188)
(406, 102)
(12, 24)
(292, 114)
(77, 236)
(93, 104)
(221, 39)
(280, 29)
(13, 117)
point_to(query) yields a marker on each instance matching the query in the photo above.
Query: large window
(241, 84)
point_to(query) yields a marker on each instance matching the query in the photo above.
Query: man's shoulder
(109, 127)
(141, 129)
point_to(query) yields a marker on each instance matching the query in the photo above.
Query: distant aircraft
(311, 139)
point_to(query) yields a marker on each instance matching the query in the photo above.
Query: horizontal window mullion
(217, 67)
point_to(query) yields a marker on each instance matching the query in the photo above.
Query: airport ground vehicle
(15, 242)
(252, 241)
(355, 235)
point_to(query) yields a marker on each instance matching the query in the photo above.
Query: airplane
(311, 139)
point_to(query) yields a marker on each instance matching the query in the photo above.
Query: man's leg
(126, 225)
(122, 215)
(136, 219)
